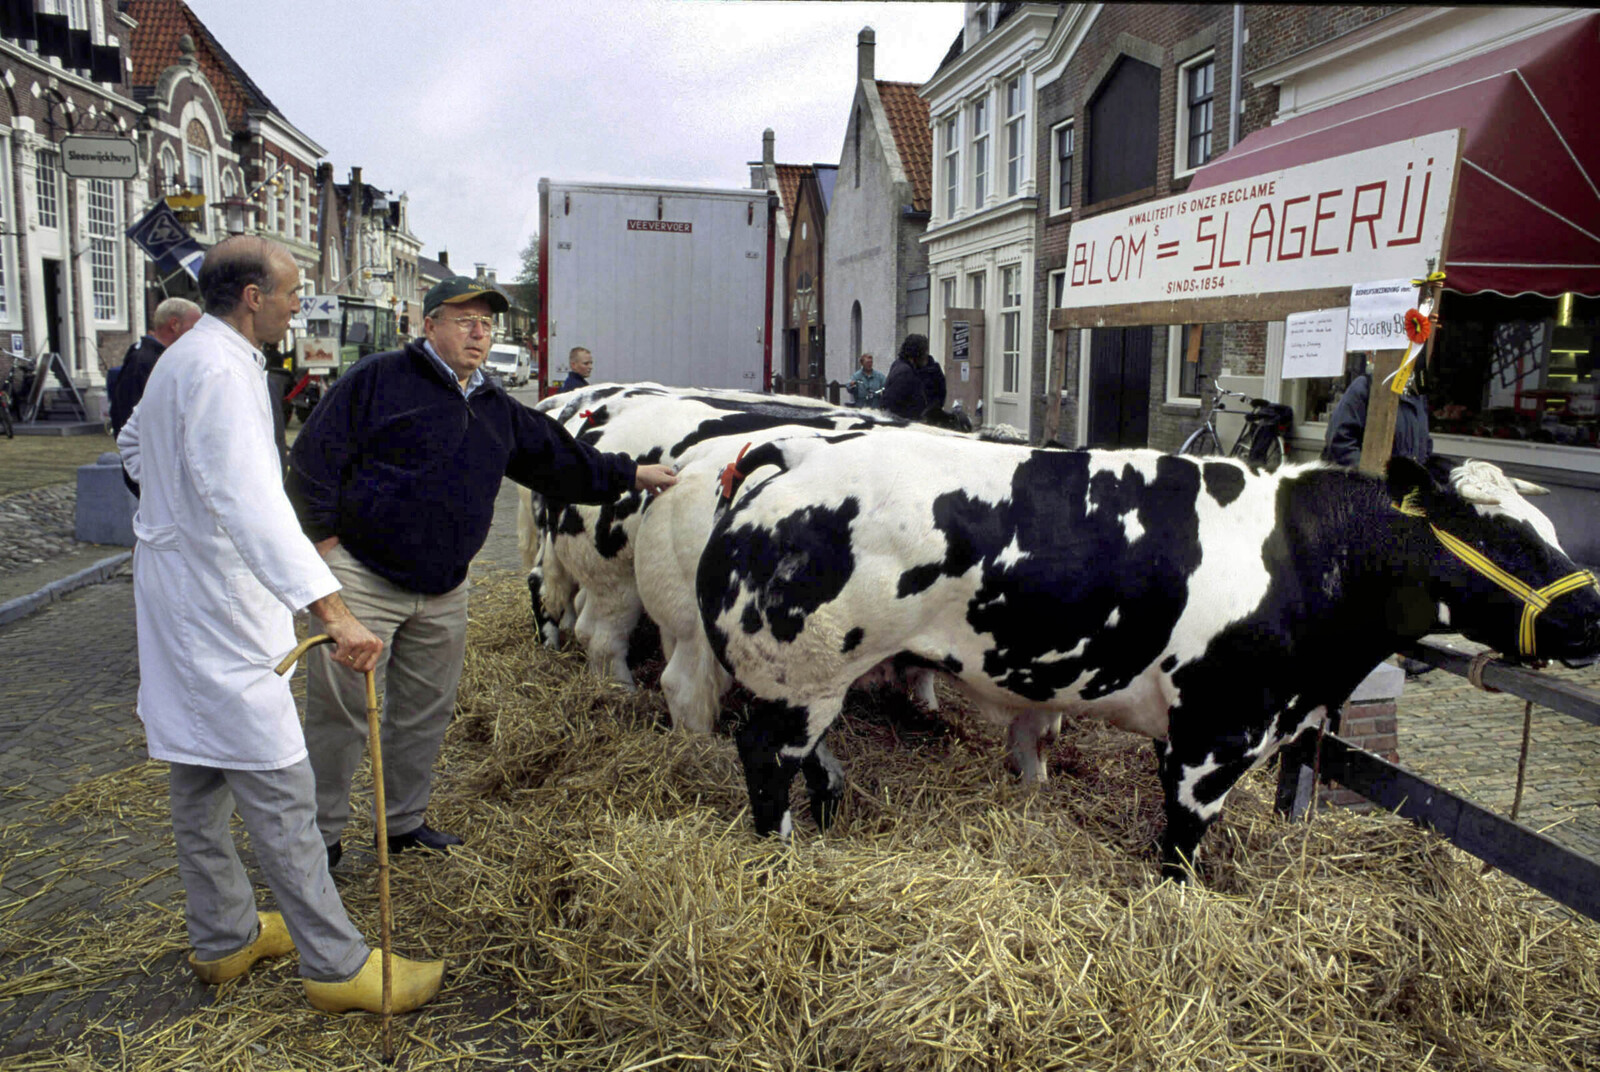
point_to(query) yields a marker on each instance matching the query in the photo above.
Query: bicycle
(1262, 441)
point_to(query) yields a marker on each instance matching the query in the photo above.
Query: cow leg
(825, 783)
(1029, 738)
(1195, 784)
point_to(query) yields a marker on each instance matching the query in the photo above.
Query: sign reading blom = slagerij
(1376, 213)
(87, 157)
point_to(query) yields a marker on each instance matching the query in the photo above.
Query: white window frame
(978, 109)
(952, 164)
(1016, 88)
(1011, 299)
(1056, 207)
(198, 159)
(1180, 142)
(57, 197)
(104, 252)
(270, 168)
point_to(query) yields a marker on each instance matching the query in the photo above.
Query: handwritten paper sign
(1378, 314)
(1314, 344)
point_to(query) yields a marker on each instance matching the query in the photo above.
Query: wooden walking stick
(375, 748)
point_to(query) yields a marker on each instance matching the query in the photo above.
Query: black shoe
(424, 837)
(335, 853)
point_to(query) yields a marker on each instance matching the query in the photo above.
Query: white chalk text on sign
(1378, 212)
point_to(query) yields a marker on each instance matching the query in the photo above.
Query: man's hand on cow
(354, 645)
(654, 478)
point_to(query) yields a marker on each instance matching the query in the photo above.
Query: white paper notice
(1313, 344)
(1378, 314)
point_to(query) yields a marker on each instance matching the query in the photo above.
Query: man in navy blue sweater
(394, 479)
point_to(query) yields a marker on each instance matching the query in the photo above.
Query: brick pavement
(66, 721)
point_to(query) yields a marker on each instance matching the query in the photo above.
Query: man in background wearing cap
(394, 479)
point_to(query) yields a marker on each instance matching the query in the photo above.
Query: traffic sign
(319, 306)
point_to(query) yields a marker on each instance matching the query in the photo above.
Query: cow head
(1496, 566)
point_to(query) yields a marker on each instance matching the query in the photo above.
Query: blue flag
(160, 234)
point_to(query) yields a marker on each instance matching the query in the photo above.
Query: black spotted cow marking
(1217, 609)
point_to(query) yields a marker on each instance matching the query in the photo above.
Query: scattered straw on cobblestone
(613, 910)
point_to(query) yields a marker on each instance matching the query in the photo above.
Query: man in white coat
(219, 570)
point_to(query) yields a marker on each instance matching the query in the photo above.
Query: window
(195, 160)
(1183, 375)
(1123, 132)
(1010, 327)
(1016, 136)
(975, 290)
(1065, 146)
(1195, 113)
(980, 153)
(952, 168)
(102, 226)
(47, 182)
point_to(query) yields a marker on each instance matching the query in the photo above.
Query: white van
(512, 364)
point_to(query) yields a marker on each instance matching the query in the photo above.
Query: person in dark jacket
(394, 479)
(172, 319)
(581, 366)
(1349, 424)
(915, 383)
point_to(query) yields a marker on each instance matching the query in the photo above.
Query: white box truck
(663, 283)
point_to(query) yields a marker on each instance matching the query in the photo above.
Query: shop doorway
(1119, 387)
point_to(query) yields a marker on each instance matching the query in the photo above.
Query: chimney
(767, 157)
(444, 257)
(866, 44)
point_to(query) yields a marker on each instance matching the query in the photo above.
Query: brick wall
(1164, 35)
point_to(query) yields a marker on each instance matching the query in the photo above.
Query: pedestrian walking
(219, 569)
(394, 477)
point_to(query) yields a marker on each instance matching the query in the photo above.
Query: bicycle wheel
(1201, 441)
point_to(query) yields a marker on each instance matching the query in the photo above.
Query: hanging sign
(1378, 212)
(1314, 344)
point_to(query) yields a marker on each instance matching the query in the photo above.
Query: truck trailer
(661, 283)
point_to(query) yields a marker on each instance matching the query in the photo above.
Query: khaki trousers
(425, 640)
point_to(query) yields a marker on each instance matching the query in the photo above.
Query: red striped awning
(1527, 211)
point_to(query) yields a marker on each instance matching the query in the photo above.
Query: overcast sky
(466, 106)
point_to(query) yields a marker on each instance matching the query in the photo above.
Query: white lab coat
(220, 564)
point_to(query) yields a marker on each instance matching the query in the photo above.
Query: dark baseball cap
(460, 288)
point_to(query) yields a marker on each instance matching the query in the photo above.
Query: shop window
(1123, 132)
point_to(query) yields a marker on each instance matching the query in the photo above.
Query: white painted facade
(980, 240)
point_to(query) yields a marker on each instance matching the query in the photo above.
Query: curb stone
(101, 571)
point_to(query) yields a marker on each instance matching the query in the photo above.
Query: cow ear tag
(1411, 504)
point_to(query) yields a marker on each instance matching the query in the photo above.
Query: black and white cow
(1217, 609)
(580, 558)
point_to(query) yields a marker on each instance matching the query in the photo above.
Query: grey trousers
(425, 640)
(276, 806)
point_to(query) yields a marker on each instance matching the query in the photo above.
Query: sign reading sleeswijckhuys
(1374, 214)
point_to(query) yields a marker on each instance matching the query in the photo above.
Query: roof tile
(908, 120)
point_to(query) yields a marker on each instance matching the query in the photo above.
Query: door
(1119, 387)
(963, 365)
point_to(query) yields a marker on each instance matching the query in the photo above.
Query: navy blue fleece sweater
(404, 469)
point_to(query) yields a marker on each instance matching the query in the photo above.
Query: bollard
(105, 506)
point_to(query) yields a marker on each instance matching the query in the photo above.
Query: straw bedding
(614, 910)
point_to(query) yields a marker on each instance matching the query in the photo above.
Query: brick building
(69, 283)
(875, 285)
(1132, 99)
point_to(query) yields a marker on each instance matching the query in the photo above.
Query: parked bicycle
(1263, 441)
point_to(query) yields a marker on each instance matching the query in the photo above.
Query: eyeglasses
(467, 323)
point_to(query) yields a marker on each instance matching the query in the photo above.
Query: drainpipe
(1235, 79)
